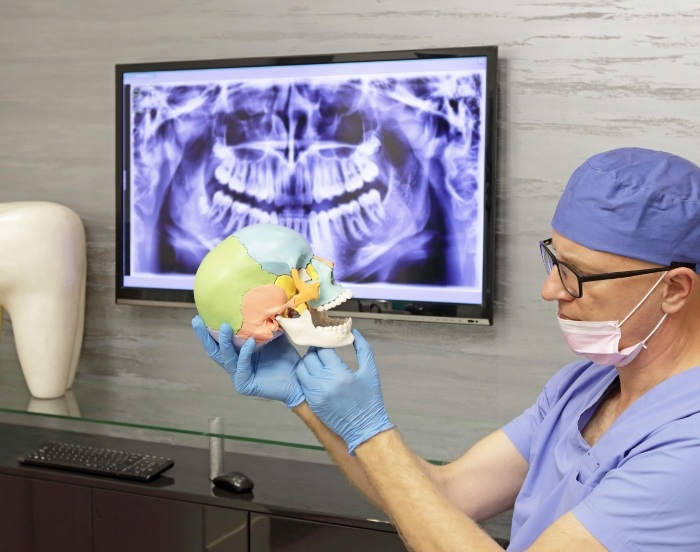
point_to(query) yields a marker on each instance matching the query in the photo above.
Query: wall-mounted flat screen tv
(385, 162)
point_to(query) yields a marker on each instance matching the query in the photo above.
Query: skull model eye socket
(304, 275)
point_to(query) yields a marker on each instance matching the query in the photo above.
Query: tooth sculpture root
(42, 287)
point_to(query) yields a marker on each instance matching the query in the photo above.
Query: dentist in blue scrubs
(608, 456)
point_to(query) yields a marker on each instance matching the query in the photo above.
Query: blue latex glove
(349, 403)
(268, 372)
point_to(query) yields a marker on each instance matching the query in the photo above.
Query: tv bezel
(451, 313)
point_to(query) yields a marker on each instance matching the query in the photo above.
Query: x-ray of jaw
(377, 173)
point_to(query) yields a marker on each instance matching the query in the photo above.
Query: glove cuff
(295, 400)
(357, 441)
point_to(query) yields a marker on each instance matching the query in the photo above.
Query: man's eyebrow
(583, 269)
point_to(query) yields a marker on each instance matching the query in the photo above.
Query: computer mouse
(235, 482)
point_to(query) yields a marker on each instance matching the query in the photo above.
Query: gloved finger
(313, 350)
(363, 350)
(302, 372)
(359, 339)
(313, 366)
(244, 370)
(331, 361)
(228, 352)
(311, 376)
(200, 329)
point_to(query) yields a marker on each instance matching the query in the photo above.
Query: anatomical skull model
(264, 280)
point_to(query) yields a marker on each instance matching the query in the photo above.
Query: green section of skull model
(222, 279)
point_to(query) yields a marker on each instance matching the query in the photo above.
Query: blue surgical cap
(634, 202)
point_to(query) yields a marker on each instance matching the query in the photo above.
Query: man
(608, 456)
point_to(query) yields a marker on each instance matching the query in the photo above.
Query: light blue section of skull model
(275, 247)
(329, 290)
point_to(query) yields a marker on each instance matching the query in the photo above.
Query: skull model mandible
(264, 280)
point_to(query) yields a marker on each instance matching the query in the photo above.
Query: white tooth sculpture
(42, 286)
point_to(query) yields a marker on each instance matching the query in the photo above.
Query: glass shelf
(183, 406)
(96, 399)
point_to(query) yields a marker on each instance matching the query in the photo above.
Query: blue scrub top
(637, 488)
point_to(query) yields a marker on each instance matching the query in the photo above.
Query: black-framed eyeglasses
(573, 281)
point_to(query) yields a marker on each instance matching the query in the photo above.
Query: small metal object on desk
(216, 447)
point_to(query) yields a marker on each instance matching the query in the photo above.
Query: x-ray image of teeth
(378, 173)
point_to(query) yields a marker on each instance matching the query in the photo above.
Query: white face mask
(599, 341)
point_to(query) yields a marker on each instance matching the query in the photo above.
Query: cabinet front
(126, 522)
(43, 516)
(280, 534)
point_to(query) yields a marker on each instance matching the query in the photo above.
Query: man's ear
(680, 284)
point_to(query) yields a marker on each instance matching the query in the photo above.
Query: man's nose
(553, 289)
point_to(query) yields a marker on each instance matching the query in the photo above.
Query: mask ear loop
(644, 341)
(642, 301)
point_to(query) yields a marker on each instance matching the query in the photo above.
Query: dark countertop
(282, 487)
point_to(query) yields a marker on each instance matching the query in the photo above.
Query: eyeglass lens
(568, 279)
(546, 258)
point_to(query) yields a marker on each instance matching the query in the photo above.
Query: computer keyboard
(97, 461)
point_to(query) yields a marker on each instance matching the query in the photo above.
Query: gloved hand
(268, 372)
(349, 403)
